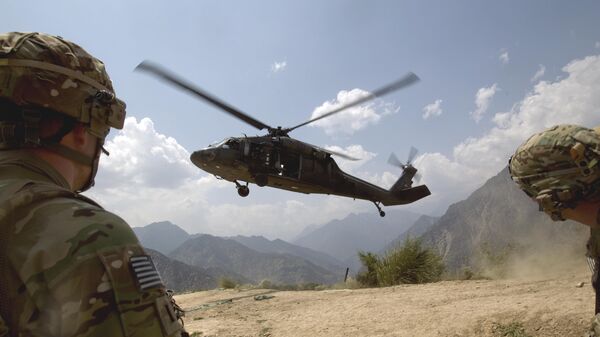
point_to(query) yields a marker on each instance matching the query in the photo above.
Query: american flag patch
(145, 272)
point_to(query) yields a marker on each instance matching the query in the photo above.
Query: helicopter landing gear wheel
(381, 212)
(261, 180)
(242, 190)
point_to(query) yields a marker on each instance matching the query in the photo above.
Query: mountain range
(496, 217)
(210, 251)
(343, 238)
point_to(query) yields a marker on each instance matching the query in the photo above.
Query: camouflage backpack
(559, 167)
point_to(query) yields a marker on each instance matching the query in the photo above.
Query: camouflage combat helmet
(42, 74)
(559, 167)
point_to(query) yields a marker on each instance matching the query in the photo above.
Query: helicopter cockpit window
(230, 143)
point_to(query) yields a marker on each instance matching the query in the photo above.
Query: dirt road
(548, 307)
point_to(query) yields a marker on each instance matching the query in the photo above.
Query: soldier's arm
(587, 213)
(82, 281)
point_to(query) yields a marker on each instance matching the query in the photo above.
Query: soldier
(67, 266)
(560, 169)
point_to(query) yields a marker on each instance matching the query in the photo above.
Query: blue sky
(231, 49)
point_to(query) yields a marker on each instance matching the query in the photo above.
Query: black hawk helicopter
(279, 161)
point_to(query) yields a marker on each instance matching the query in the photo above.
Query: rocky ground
(557, 306)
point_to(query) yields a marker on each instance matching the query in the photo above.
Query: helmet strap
(80, 158)
(69, 153)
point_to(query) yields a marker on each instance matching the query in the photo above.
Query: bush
(226, 283)
(409, 263)
(370, 261)
(513, 329)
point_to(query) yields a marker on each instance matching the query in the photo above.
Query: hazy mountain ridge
(208, 251)
(161, 236)
(342, 239)
(497, 215)
(278, 246)
(180, 276)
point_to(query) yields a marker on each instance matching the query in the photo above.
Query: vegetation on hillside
(409, 263)
(226, 283)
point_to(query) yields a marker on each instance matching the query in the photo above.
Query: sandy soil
(545, 307)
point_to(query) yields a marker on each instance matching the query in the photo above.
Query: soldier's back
(69, 267)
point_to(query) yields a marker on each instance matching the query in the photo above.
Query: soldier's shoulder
(56, 215)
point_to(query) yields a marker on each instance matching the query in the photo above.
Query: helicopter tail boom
(407, 195)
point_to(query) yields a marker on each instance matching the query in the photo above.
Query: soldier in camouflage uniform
(560, 169)
(67, 266)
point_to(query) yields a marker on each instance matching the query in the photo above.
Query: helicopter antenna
(203, 94)
(405, 81)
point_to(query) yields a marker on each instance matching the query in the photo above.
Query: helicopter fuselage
(286, 163)
(279, 161)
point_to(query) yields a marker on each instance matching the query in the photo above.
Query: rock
(262, 297)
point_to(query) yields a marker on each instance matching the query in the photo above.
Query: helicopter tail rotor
(409, 172)
(394, 161)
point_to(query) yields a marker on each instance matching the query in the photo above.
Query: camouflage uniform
(67, 266)
(559, 168)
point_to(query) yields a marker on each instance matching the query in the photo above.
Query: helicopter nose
(203, 156)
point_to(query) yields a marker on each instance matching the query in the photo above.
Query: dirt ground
(543, 307)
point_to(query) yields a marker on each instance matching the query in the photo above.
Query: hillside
(207, 251)
(179, 276)
(278, 246)
(420, 227)
(342, 239)
(500, 218)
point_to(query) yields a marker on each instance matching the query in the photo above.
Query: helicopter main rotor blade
(183, 84)
(405, 81)
(339, 154)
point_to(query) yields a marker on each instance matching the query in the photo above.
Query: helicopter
(280, 161)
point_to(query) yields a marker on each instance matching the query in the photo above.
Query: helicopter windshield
(228, 143)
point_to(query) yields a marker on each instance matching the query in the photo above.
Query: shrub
(368, 277)
(513, 329)
(407, 263)
(226, 283)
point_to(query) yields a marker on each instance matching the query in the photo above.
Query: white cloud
(572, 100)
(277, 67)
(433, 109)
(482, 101)
(141, 155)
(353, 119)
(504, 58)
(538, 74)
